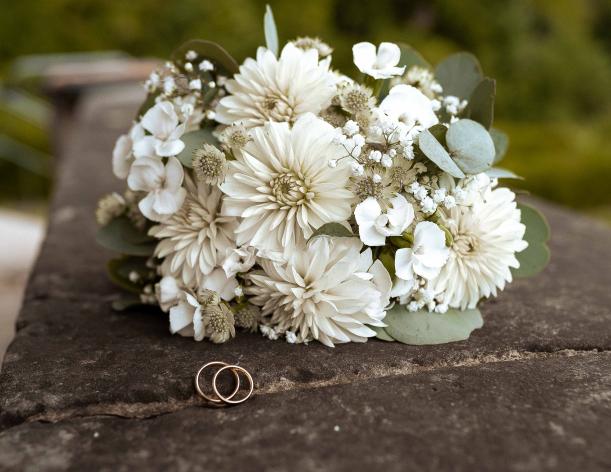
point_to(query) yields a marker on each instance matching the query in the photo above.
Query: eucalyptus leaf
(336, 230)
(121, 236)
(381, 333)
(125, 303)
(271, 32)
(501, 144)
(459, 74)
(387, 258)
(206, 50)
(470, 146)
(410, 58)
(537, 227)
(500, 173)
(437, 153)
(481, 103)
(148, 103)
(193, 141)
(536, 256)
(423, 328)
(120, 268)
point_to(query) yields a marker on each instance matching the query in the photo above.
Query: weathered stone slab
(73, 356)
(544, 414)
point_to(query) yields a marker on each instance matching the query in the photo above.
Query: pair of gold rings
(219, 398)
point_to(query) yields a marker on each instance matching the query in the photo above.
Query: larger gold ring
(218, 399)
(228, 399)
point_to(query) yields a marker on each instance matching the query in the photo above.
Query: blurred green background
(551, 59)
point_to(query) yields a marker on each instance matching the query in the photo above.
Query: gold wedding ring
(234, 368)
(219, 398)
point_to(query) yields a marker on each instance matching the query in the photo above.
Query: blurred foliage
(551, 59)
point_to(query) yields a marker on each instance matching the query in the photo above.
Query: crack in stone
(151, 410)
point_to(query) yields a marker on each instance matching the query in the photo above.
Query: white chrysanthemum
(282, 186)
(327, 291)
(195, 239)
(486, 237)
(277, 89)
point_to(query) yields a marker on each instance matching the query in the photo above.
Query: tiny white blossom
(333, 163)
(428, 205)
(206, 65)
(357, 169)
(290, 337)
(377, 178)
(169, 85)
(375, 156)
(449, 202)
(358, 140)
(386, 161)
(189, 67)
(195, 84)
(351, 128)
(191, 55)
(439, 195)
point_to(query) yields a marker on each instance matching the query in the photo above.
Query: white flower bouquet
(284, 197)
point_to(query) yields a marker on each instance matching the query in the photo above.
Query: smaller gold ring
(216, 400)
(229, 400)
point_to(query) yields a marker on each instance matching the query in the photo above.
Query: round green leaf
(436, 153)
(470, 146)
(459, 74)
(532, 260)
(335, 230)
(501, 143)
(537, 228)
(120, 268)
(194, 140)
(481, 102)
(501, 173)
(410, 58)
(121, 236)
(382, 334)
(423, 328)
(123, 304)
(536, 256)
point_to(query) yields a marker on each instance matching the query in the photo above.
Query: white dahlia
(194, 240)
(486, 236)
(277, 89)
(327, 291)
(282, 186)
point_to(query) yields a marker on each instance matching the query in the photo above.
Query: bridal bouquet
(284, 197)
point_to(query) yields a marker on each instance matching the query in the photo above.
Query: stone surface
(543, 414)
(515, 396)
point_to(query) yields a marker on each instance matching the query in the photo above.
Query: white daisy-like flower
(486, 235)
(162, 122)
(408, 105)
(375, 226)
(327, 291)
(277, 89)
(194, 240)
(282, 186)
(380, 64)
(163, 184)
(425, 258)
